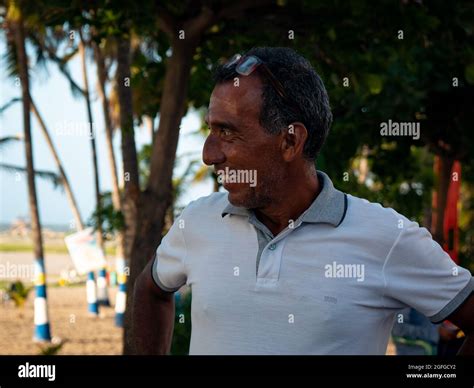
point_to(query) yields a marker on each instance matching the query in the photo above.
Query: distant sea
(54, 227)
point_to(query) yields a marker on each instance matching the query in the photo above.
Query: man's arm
(463, 317)
(152, 316)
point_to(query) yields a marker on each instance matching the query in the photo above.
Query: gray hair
(302, 86)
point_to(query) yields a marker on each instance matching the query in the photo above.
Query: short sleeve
(169, 269)
(420, 274)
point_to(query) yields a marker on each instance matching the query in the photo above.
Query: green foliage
(192, 172)
(18, 292)
(51, 348)
(144, 162)
(409, 79)
(182, 330)
(148, 73)
(112, 220)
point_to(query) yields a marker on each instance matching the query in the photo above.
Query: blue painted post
(42, 328)
(102, 292)
(91, 291)
(120, 304)
(121, 297)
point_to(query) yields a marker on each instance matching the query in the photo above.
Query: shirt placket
(268, 270)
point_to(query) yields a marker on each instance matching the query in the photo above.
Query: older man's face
(238, 142)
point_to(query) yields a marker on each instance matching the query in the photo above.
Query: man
(285, 263)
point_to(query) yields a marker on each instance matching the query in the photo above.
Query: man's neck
(289, 205)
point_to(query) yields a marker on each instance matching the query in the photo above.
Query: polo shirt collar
(329, 207)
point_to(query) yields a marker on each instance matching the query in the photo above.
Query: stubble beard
(263, 194)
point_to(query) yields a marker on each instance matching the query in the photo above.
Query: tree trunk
(25, 89)
(132, 195)
(157, 197)
(129, 152)
(82, 51)
(116, 197)
(443, 167)
(40, 305)
(67, 187)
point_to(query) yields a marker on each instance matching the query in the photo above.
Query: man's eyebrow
(221, 124)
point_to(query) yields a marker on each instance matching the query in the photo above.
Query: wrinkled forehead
(242, 99)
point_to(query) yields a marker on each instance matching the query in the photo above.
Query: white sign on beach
(85, 253)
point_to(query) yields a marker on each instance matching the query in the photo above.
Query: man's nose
(211, 152)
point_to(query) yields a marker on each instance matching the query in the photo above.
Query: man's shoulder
(362, 205)
(374, 215)
(209, 205)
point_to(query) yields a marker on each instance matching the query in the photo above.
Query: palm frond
(9, 139)
(10, 58)
(49, 48)
(8, 104)
(51, 176)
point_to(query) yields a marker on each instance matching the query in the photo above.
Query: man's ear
(293, 140)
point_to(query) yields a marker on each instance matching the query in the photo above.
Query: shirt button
(272, 247)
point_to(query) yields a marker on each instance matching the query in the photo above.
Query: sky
(61, 110)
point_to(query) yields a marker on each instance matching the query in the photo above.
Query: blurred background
(101, 126)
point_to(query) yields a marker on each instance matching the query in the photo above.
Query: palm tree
(102, 78)
(43, 44)
(116, 196)
(82, 51)
(100, 237)
(48, 44)
(93, 306)
(15, 24)
(62, 173)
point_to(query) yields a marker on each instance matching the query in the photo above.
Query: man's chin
(234, 198)
(244, 198)
(239, 199)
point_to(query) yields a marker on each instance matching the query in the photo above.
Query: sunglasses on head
(247, 64)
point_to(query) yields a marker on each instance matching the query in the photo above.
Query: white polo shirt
(331, 283)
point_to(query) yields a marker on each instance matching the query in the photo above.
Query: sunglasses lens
(248, 65)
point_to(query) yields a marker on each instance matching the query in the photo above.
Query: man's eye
(225, 131)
